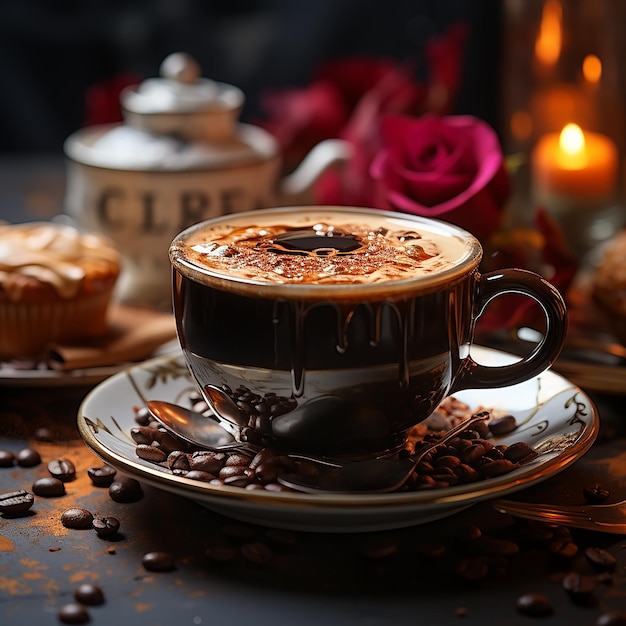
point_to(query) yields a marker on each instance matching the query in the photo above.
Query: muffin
(56, 284)
(608, 284)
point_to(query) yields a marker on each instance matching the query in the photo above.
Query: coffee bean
(178, 460)
(101, 476)
(43, 434)
(596, 494)
(150, 453)
(496, 468)
(534, 605)
(73, 613)
(63, 469)
(519, 452)
(448, 460)
(496, 453)
(240, 480)
(16, 503)
(503, 425)
(200, 475)
(48, 487)
(267, 471)
(482, 427)
(473, 454)
(207, 461)
(612, 618)
(90, 594)
(143, 416)
(580, 588)
(232, 470)
(158, 561)
(27, 457)
(142, 434)
(105, 526)
(563, 548)
(466, 473)
(7, 458)
(167, 441)
(125, 490)
(601, 560)
(239, 459)
(77, 518)
(266, 455)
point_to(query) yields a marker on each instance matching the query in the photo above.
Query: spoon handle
(380, 475)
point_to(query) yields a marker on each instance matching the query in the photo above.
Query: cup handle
(475, 376)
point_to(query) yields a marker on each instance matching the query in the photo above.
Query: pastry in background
(56, 284)
(608, 284)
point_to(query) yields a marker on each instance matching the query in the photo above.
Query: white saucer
(554, 416)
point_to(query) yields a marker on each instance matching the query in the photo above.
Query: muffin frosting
(56, 255)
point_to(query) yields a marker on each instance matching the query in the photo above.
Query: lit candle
(549, 40)
(575, 165)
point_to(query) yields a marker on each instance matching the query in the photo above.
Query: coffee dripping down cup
(332, 331)
(180, 157)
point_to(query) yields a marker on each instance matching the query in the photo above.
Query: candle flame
(592, 68)
(573, 147)
(549, 40)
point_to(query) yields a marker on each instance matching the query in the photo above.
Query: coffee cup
(334, 330)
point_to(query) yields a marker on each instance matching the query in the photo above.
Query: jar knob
(181, 67)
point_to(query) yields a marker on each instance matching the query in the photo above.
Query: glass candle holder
(562, 105)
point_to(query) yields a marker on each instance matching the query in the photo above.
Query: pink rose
(445, 167)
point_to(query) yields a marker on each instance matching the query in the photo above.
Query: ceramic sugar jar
(180, 156)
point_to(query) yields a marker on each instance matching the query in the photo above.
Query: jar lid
(180, 88)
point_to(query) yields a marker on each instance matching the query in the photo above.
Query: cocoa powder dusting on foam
(378, 254)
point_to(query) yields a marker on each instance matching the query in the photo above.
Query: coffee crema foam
(322, 252)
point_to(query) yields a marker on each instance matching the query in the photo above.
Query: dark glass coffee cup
(335, 330)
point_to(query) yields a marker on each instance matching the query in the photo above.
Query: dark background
(52, 51)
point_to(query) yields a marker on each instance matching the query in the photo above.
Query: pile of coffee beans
(468, 458)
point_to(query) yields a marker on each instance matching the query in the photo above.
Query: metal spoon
(380, 475)
(196, 428)
(207, 432)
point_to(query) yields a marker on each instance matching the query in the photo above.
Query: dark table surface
(426, 574)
